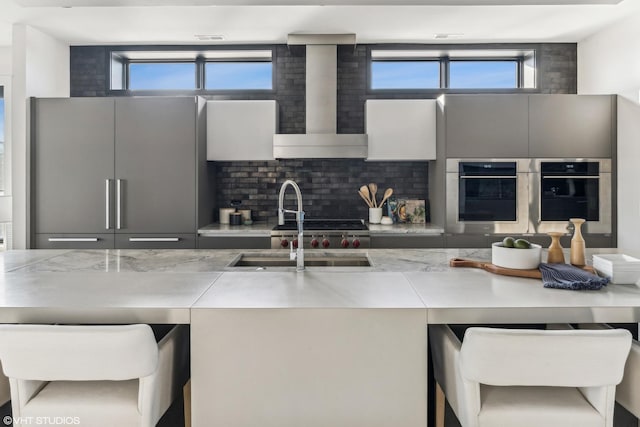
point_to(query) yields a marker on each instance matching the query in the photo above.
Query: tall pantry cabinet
(116, 172)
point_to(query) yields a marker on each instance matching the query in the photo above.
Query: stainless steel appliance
(571, 188)
(323, 234)
(487, 196)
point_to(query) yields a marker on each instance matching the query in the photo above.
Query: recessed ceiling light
(447, 36)
(209, 37)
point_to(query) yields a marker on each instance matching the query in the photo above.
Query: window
(482, 74)
(194, 71)
(405, 74)
(238, 75)
(452, 69)
(162, 75)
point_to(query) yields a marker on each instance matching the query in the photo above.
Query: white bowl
(521, 259)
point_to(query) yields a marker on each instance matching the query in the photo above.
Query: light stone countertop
(161, 286)
(263, 229)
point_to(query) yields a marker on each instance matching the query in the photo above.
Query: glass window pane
(405, 74)
(483, 74)
(157, 75)
(238, 75)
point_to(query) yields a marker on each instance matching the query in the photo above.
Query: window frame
(449, 53)
(200, 59)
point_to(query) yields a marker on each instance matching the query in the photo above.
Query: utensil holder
(577, 243)
(375, 215)
(555, 255)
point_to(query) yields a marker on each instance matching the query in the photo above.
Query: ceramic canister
(224, 215)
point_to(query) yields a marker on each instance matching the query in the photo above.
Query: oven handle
(489, 177)
(571, 176)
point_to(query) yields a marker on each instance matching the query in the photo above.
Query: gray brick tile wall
(329, 186)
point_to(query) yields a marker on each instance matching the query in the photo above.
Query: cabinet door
(401, 129)
(241, 130)
(570, 125)
(72, 155)
(156, 165)
(486, 126)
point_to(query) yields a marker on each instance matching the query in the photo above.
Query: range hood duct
(321, 139)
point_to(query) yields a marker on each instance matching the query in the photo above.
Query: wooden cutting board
(492, 268)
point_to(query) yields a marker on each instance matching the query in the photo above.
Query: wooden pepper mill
(577, 243)
(555, 255)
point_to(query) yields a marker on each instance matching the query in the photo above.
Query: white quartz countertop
(162, 286)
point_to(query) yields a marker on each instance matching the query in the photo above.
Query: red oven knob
(295, 243)
(344, 243)
(355, 243)
(314, 243)
(284, 243)
(325, 243)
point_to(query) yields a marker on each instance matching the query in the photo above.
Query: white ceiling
(247, 22)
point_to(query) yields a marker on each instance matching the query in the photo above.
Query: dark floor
(174, 417)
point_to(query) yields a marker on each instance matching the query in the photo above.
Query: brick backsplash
(329, 187)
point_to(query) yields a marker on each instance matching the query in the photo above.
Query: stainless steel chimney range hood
(321, 139)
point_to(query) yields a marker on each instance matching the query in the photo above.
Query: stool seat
(528, 378)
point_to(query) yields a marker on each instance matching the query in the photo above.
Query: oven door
(571, 188)
(487, 196)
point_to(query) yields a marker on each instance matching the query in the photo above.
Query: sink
(310, 260)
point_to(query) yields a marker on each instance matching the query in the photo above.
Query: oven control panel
(321, 240)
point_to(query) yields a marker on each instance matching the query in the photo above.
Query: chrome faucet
(299, 253)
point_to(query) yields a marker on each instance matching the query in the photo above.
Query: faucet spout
(299, 254)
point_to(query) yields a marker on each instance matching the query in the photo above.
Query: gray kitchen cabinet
(241, 129)
(114, 170)
(571, 126)
(156, 165)
(486, 126)
(72, 161)
(407, 241)
(228, 242)
(401, 129)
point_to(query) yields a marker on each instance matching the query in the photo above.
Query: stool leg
(186, 392)
(439, 406)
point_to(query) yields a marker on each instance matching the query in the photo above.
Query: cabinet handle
(73, 239)
(488, 177)
(118, 204)
(107, 204)
(154, 239)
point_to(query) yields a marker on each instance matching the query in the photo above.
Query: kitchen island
(340, 346)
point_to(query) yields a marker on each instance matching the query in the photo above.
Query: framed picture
(411, 211)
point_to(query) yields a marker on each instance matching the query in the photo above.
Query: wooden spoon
(373, 188)
(364, 190)
(365, 198)
(387, 193)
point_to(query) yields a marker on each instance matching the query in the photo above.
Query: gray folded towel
(566, 276)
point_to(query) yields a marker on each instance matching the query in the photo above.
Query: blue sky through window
(483, 74)
(238, 75)
(159, 76)
(405, 75)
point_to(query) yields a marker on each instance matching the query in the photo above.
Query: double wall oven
(528, 196)
(487, 195)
